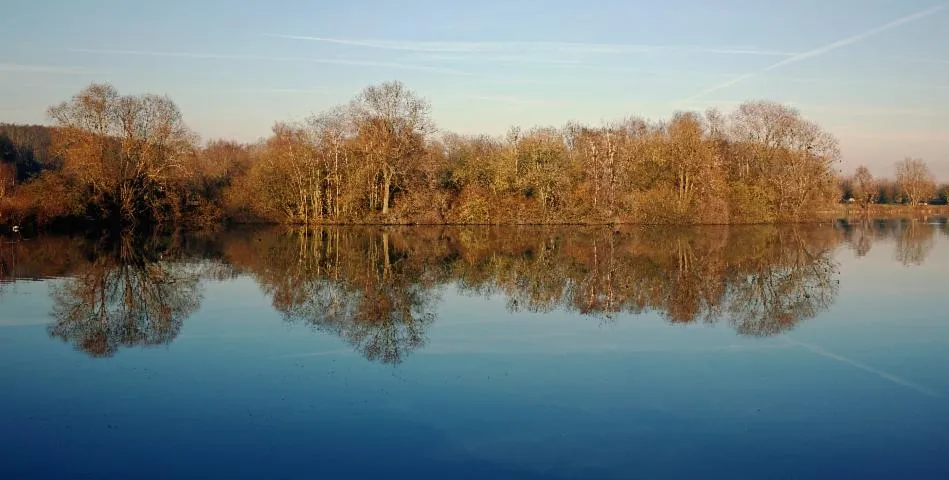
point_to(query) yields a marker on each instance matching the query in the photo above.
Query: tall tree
(392, 122)
(331, 131)
(544, 169)
(693, 161)
(792, 157)
(126, 152)
(864, 187)
(915, 181)
(283, 183)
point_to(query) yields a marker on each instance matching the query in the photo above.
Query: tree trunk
(336, 183)
(386, 187)
(387, 265)
(611, 156)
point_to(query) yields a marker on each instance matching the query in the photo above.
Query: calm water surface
(742, 352)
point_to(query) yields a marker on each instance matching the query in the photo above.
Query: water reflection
(761, 279)
(914, 240)
(127, 295)
(354, 283)
(379, 289)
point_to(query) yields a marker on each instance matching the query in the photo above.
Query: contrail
(315, 90)
(333, 61)
(56, 69)
(853, 363)
(826, 48)
(509, 99)
(493, 47)
(843, 109)
(931, 61)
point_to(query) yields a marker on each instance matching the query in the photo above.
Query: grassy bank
(893, 211)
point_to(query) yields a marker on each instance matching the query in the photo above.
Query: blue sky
(873, 72)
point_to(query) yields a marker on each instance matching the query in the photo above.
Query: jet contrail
(515, 47)
(56, 69)
(826, 48)
(853, 363)
(215, 56)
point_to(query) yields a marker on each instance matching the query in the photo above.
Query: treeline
(379, 288)
(914, 184)
(130, 160)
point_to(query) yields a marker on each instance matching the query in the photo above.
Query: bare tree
(392, 122)
(915, 181)
(285, 179)
(331, 131)
(127, 151)
(864, 187)
(690, 158)
(545, 170)
(791, 155)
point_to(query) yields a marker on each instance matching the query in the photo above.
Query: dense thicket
(130, 160)
(376, 160)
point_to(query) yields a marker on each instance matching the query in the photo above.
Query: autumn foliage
(130, 161)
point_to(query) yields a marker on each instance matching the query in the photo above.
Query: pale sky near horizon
(873, 72)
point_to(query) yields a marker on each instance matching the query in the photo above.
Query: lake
(808, 351)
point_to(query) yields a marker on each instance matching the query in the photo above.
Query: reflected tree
(128, 296)
(914, 242)
(378, 289)
(761, 280)
(860, 236)
(796, 282)
(388, 322)
(352, 283)
(865, 240)
(596, 291)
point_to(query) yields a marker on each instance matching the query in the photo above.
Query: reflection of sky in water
(860, 391)
(30, 306)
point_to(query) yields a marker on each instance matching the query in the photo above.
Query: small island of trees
(130, 161)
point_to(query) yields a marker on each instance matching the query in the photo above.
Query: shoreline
(844, 213)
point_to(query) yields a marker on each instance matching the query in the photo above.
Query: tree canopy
(132, 162)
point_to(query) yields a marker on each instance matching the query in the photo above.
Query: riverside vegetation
(130, 161)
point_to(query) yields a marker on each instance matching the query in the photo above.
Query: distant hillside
(28, 148)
